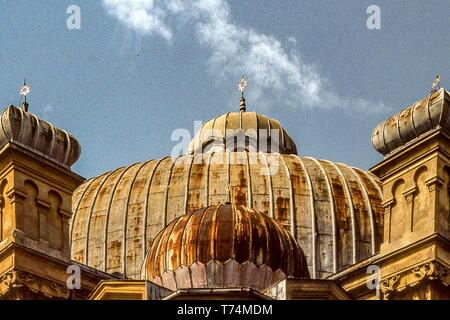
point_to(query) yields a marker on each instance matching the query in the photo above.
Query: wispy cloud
(47, 109)
(277, 75)
(145, 16)
(292, 40)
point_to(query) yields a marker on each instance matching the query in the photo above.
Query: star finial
(242, 84)
(435, 84)
(241, 87)
(24, 91)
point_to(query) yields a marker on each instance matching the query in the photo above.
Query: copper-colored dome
(258, 133)
(224, 246)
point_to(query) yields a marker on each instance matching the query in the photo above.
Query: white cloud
(145, 16)
(276, 76)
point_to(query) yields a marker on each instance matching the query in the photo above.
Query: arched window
(54, 220)
(30, 211)
(398, 211)
(421, 200)
(2, 208)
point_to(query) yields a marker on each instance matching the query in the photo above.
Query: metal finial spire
(241, 87)
(435, 84)
(24, 91)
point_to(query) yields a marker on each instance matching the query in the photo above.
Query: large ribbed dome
(256, 131)
(224, 246)
(332, 210)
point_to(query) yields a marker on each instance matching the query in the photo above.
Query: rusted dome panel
(364, 233)
(135, 222)
(156, 199)
(112, 235)
(177, 186)
(197, 188)
(341, 208)
(323, 218)
(98, 227)
(218, 179)
(239, 181)
(27, 130)
(262, 134)
(280, 185)
(230, 236)
(81, 220)
(260, 183)
(332, 210)
(416, 120)
(301, 205)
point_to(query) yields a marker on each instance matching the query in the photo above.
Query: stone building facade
(240, 216)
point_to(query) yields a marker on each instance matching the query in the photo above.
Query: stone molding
(434, 183)
(409, 194)
(16, 280)
(414, 276)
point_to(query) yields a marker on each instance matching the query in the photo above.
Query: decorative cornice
(16, 195)
(65, 214)
(42, 203)
(387, 204)
(409, 194)
(43, 207)
(21, 280)
(434, 183)
(413, 276)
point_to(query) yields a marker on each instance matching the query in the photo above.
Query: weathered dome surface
(27, 130)
(224, 246)
(332, 210)
(258, 132)
(424, 116)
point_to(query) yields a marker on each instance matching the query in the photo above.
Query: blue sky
(137, 70)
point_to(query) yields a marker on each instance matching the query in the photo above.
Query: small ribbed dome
(39, 136)
(231, 130)
(424, 116)
(223, 246)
